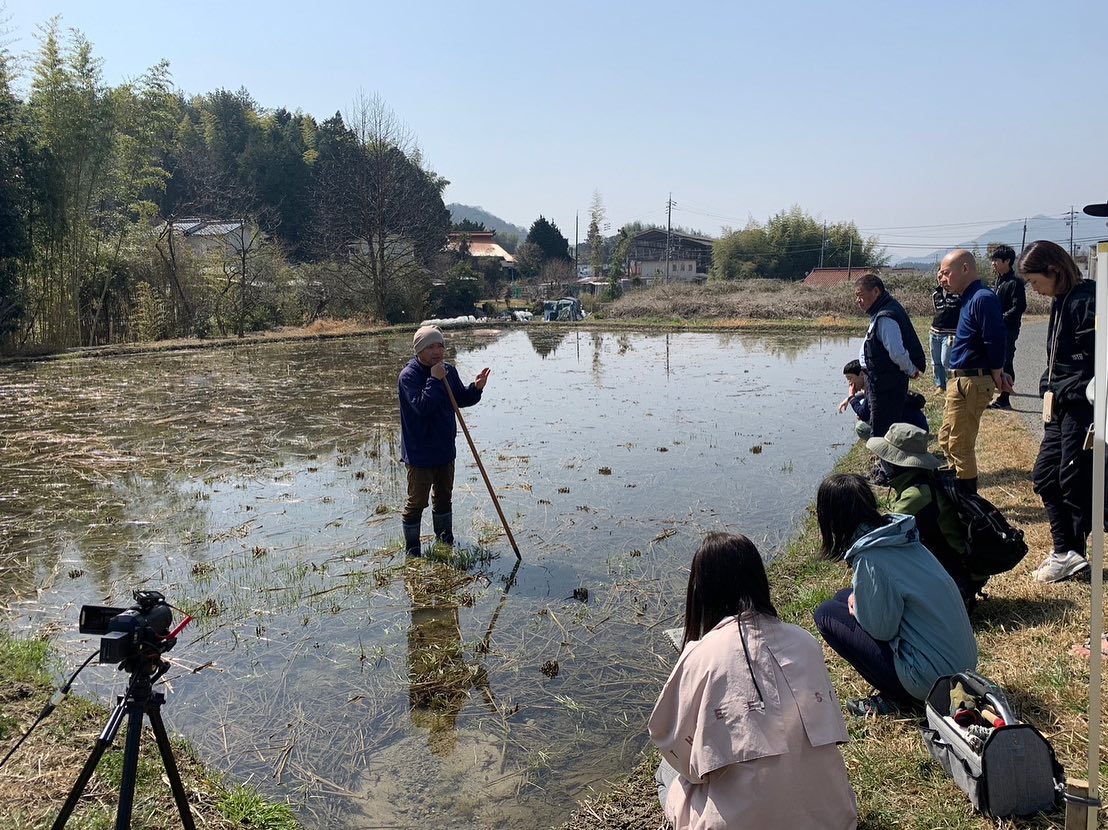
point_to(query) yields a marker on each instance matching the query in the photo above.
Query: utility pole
(1070, 222)
(669, 229)
(1023, 242)
(849, 255)
(576, 243)
(823, 245)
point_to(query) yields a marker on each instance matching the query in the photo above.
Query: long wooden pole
(481, 467)
(1096, 627)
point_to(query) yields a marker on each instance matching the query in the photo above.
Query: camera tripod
(140, 699)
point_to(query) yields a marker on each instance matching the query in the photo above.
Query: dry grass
(1024, 632)
(747, 300)
(37, 779)
(322, 329)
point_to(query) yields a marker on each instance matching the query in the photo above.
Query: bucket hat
(904, 445)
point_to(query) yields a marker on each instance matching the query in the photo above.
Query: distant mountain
(1086, 229)
(493, 223)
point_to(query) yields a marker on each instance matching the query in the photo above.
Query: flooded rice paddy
(259, 488)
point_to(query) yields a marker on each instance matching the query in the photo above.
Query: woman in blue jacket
(902, 623)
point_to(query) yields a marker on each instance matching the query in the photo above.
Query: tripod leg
(102, 743)
(171, 769)
(130, 766)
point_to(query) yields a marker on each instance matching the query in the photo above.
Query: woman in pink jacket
(748, 724)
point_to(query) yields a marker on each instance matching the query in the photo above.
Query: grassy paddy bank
(37, 779)
(1024, 633)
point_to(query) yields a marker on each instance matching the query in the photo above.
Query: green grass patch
(23, 661)
(247, 808)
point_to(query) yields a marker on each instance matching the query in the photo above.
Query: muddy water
(259, 488)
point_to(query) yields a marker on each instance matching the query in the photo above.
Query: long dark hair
(727, 578)
(1051, 260)
(844, 503)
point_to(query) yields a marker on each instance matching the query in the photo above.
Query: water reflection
(441, 675)
(261, 488)
(545, 341)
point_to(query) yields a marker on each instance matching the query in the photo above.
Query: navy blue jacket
(981, 339)
(427, 425)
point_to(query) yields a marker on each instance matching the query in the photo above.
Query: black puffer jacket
(1013, 300)
(1073, 323)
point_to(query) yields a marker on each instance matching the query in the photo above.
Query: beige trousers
(966, 400)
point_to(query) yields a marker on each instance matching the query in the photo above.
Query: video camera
(126, 632)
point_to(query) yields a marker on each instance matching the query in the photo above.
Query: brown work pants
(436, 481)
(965, 402)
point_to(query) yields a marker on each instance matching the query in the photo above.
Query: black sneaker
(873, 706)
(999, 404)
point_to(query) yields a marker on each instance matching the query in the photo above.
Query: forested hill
(458, 212)
(135, 212)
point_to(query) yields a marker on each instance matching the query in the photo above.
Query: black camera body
(126, 633)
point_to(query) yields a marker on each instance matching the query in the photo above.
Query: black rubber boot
(967, 485)
(411, 539)
(443, 524)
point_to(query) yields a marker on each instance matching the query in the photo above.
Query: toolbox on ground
(1007, 768)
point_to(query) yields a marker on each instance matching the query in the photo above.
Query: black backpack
(993, 546)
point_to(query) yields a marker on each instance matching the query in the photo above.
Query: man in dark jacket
(427, 432)
(976, 365)
(891, 354)
(1010, 290)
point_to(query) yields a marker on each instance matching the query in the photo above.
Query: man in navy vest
(891, 354)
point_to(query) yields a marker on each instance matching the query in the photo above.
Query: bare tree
(379, 210)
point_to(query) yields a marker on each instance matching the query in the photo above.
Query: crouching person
(427, 432)
(747, 724)
(912, 477)
(902, 623)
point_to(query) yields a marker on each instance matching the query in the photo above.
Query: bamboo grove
(103, 190)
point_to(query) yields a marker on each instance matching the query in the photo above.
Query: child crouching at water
(747, 724)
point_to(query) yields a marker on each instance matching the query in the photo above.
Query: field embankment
(1024, 632)
(751, 300)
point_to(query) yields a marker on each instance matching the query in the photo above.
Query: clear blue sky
(888, 113)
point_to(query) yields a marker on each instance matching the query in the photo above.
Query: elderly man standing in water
(427, 433)
(976, 364)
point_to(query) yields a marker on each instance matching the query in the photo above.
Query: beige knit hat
(426, 336)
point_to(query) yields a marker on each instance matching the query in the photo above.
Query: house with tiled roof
(689, 257)
(481, 245)
(203, 236)
(830, 277)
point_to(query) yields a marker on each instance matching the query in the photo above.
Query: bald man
(976, 364)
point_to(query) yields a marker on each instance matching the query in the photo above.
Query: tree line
(789, 245)
(137, 212)
(101, 187)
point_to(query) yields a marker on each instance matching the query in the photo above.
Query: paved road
(1030, 364)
